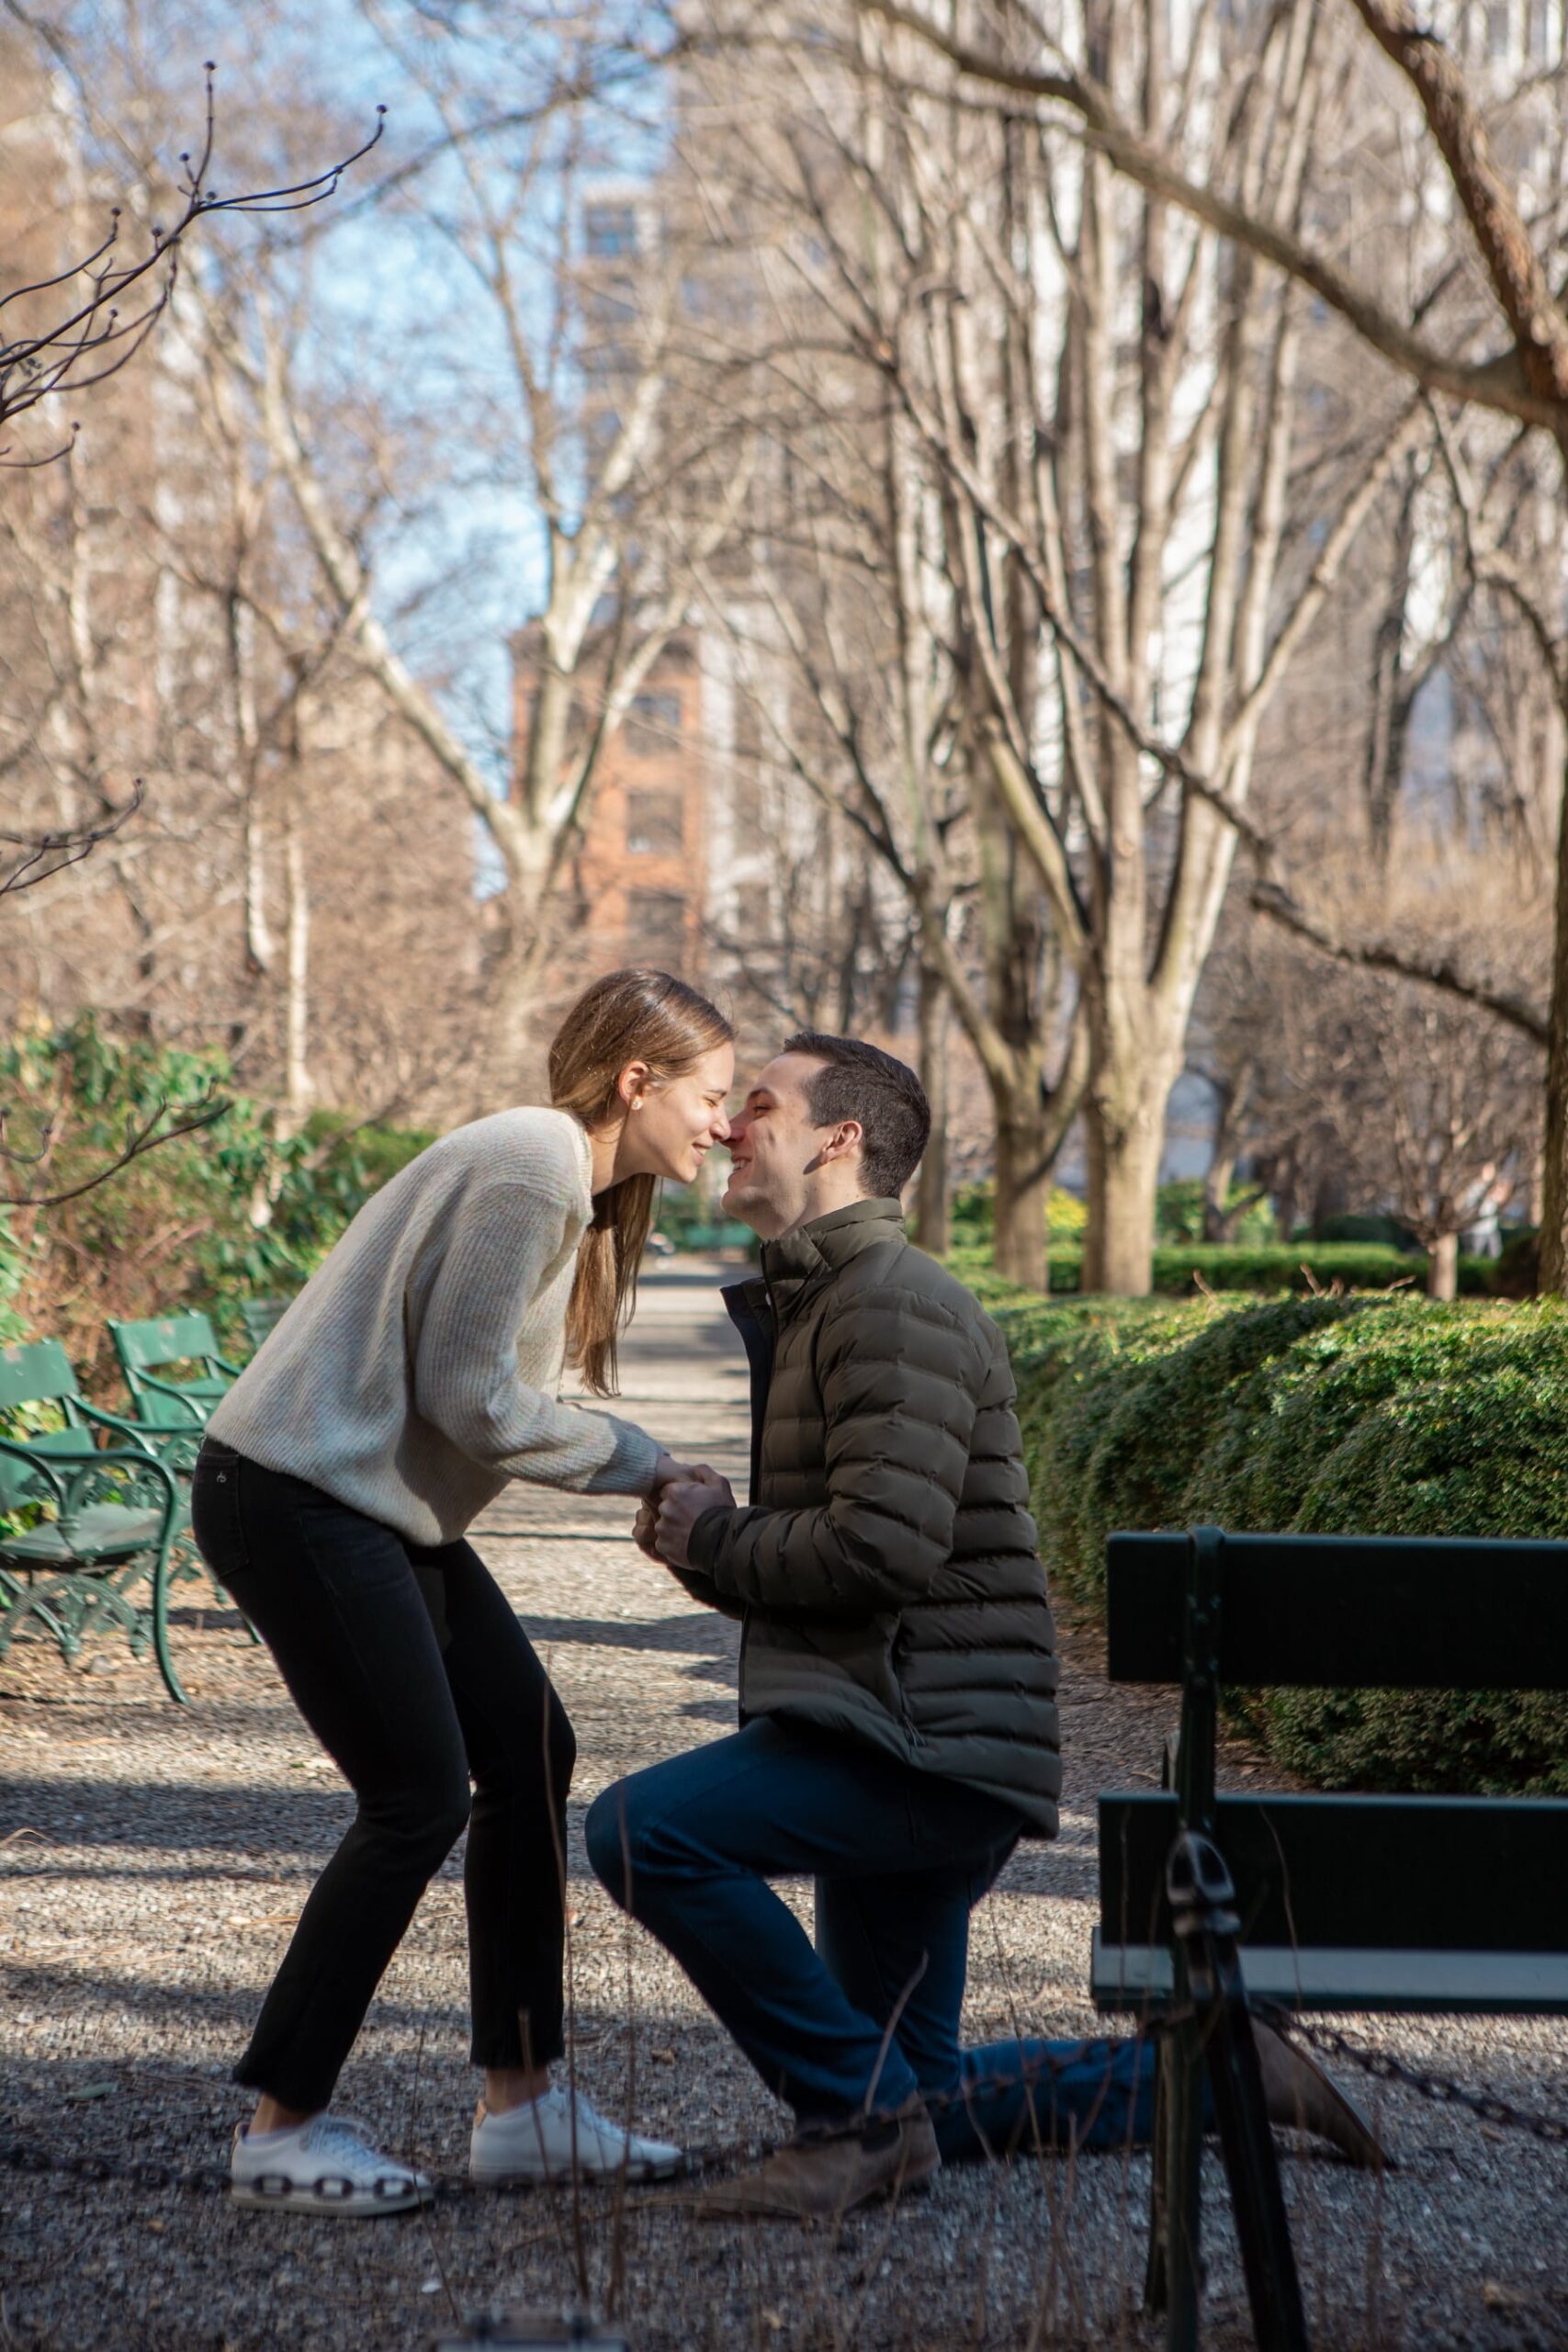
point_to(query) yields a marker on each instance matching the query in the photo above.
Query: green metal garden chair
(38, 1374)
(84, 1526)
(146, 1350)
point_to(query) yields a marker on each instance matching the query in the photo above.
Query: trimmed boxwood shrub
(1181, 1268)
(1378, 1416)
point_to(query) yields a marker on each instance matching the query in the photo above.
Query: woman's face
(681, 1119)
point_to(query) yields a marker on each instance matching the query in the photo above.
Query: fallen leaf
(93, 2090)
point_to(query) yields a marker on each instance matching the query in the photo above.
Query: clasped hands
(682, 1492)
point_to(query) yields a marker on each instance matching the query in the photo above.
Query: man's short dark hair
(859, 1081)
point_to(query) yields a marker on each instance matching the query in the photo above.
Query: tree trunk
(516, 982)
(299, 1084)
(1124, 1123)
(1125, 1175)
(1442, 1267)
(1554, 1276)
(932, 1223)
(1024, 1185)
(1218, 1221)
(1384, 763)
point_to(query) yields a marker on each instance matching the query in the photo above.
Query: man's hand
(671, 1473)
(678, 1505)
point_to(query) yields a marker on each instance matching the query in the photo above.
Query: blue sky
(394, 319)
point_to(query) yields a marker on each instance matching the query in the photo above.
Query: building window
(609, 230)
(653, 724)
(655, 824)
(656, 926)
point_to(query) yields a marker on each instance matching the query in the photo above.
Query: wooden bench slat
(1420, 1873)
(1138, 1976)
(1434, 1905)
(1361, 1612)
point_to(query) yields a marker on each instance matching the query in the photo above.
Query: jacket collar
(796, 1261)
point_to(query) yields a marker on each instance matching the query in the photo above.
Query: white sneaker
(324, 2166)
(549, 2138)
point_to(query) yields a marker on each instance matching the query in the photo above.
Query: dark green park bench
(146, 1351)
(260, 1316)
(724, 1233)
(1210, 1901)
(86, 1523)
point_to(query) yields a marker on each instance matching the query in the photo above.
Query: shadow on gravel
(703, 1634)
(119, 1996)
(185, 1815)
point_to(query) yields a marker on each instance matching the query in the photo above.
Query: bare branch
(43, 855)
(146, 1139)
(1378, 955)
(91, 336)
(1500, 382)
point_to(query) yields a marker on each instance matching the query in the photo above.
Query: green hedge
(1382, 1416)
(1182, 1269)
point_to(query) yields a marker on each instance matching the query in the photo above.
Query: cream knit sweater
(417, 1370)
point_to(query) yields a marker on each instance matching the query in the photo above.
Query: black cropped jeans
(410, 1668)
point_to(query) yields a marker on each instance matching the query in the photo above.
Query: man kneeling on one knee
(897, 1685)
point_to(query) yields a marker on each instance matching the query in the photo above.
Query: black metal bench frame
(1210, 1901)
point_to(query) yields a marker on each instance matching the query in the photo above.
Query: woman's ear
(632, 1084)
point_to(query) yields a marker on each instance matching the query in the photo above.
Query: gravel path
(152, 1861)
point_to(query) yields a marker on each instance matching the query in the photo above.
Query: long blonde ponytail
(632, 1016)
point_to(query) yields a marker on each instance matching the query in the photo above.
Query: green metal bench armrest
(45, 1464)
(143, 1434)
(145, 1465)
(181, 1394)
(83, 1467)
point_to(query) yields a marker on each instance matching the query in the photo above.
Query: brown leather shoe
(1301, 2096)
(819, 2179)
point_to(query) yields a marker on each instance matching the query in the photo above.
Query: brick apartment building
(639, 883)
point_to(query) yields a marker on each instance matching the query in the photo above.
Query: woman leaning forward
(414, 1374)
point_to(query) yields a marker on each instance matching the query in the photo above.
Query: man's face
(773, 1146)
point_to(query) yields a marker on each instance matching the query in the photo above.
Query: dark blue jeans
(870, 2014)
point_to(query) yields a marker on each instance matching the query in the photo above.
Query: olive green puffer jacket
(887, 1571)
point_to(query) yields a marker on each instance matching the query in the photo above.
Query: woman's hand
(642, 1532)
(666, 1470)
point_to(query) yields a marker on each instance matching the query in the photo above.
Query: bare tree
(1434, 1108)
(580, 416)
(1122, 604)
(66, 332)
(1506, 354)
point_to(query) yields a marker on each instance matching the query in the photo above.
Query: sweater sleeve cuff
(706, 1535)
(629, 1470)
